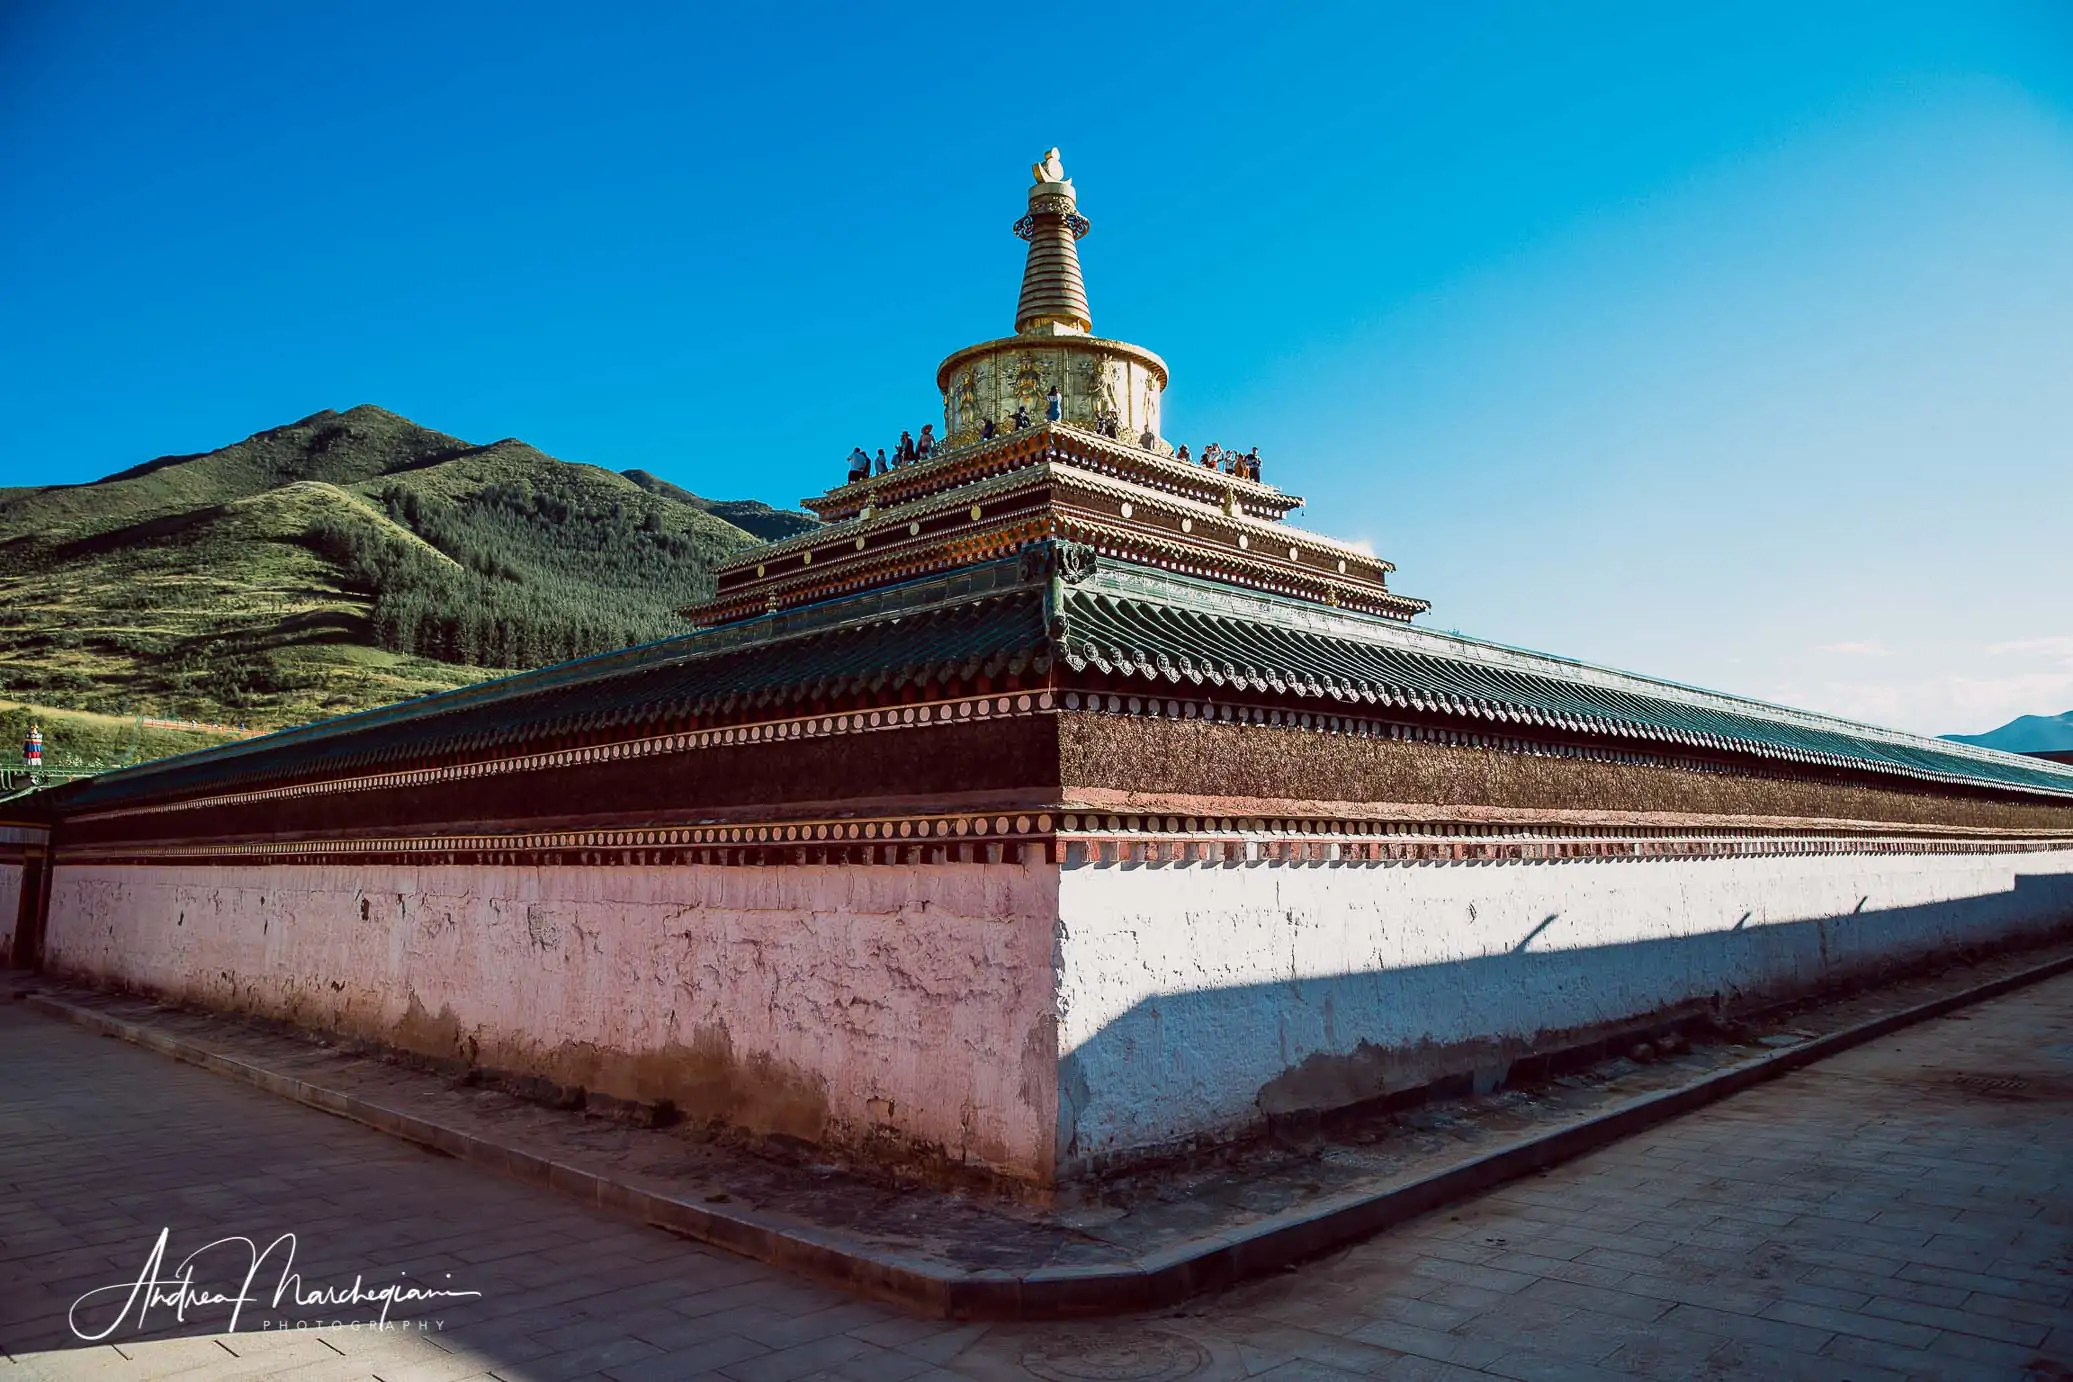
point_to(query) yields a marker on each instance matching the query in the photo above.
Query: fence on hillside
(209, 725)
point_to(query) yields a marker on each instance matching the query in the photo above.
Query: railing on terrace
(946, 452)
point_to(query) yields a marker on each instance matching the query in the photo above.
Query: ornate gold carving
(1029, 381)
(961, 405)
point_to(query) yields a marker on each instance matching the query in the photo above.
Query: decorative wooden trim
(990, 707)
(997, 515)
(1469, 820)
(758, 732)
(957, 837)
(1071, 838)
(954, 710)
(1095, 838)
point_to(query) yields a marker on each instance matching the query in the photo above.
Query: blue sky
(1729, 343)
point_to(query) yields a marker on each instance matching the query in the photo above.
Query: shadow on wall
(1178, 1069)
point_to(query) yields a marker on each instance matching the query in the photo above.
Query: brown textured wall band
(1192, 757)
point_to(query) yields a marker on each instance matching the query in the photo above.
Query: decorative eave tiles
(1056, 629)
(986, 622)
(1178, 631)
(1067, 838)
(1044, 498)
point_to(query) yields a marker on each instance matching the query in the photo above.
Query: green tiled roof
(1181, 630)
(981, 621)
(1011, 617)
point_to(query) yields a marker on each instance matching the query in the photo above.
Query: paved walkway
(1904, 1210)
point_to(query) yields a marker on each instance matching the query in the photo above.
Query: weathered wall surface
(10, 907)
(1197, 999)
(1022, 1019)
(1254, 770)
(21, 852)
(907, 1011)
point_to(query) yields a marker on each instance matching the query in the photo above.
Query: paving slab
(161, 1144)
(1132, 1242)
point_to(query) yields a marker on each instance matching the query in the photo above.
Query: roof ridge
(1114, 599)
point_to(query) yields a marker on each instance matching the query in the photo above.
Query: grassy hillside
(78, 741)
(347, 560)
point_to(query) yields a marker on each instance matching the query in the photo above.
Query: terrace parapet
(1054, 482)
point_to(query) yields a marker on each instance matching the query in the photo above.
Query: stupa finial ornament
(1054, 297)
(1054, 368)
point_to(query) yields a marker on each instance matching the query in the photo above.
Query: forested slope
(342, 561)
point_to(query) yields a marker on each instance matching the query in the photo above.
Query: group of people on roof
(988, 429)
(1241, 465)
(909, 449)
(1109, 425)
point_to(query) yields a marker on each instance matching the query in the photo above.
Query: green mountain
(346, 560)
(749, 515)
(2026, 734)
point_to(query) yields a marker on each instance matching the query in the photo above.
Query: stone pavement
(1899, 1211)
(1143, 1241)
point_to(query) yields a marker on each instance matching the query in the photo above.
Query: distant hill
(750, 515)
(346, 560)
(2025, 734)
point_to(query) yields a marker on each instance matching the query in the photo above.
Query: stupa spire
(1054, 297)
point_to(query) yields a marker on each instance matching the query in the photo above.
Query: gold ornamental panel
(1095, 378)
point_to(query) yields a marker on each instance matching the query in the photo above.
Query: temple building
(1053, 481)
(1055, 804)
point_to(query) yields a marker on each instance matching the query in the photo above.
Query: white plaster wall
(1188, 992)
(906, 1003)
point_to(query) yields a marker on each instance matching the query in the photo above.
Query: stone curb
(1187, 1269)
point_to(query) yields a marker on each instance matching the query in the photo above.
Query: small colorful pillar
(32, 750)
